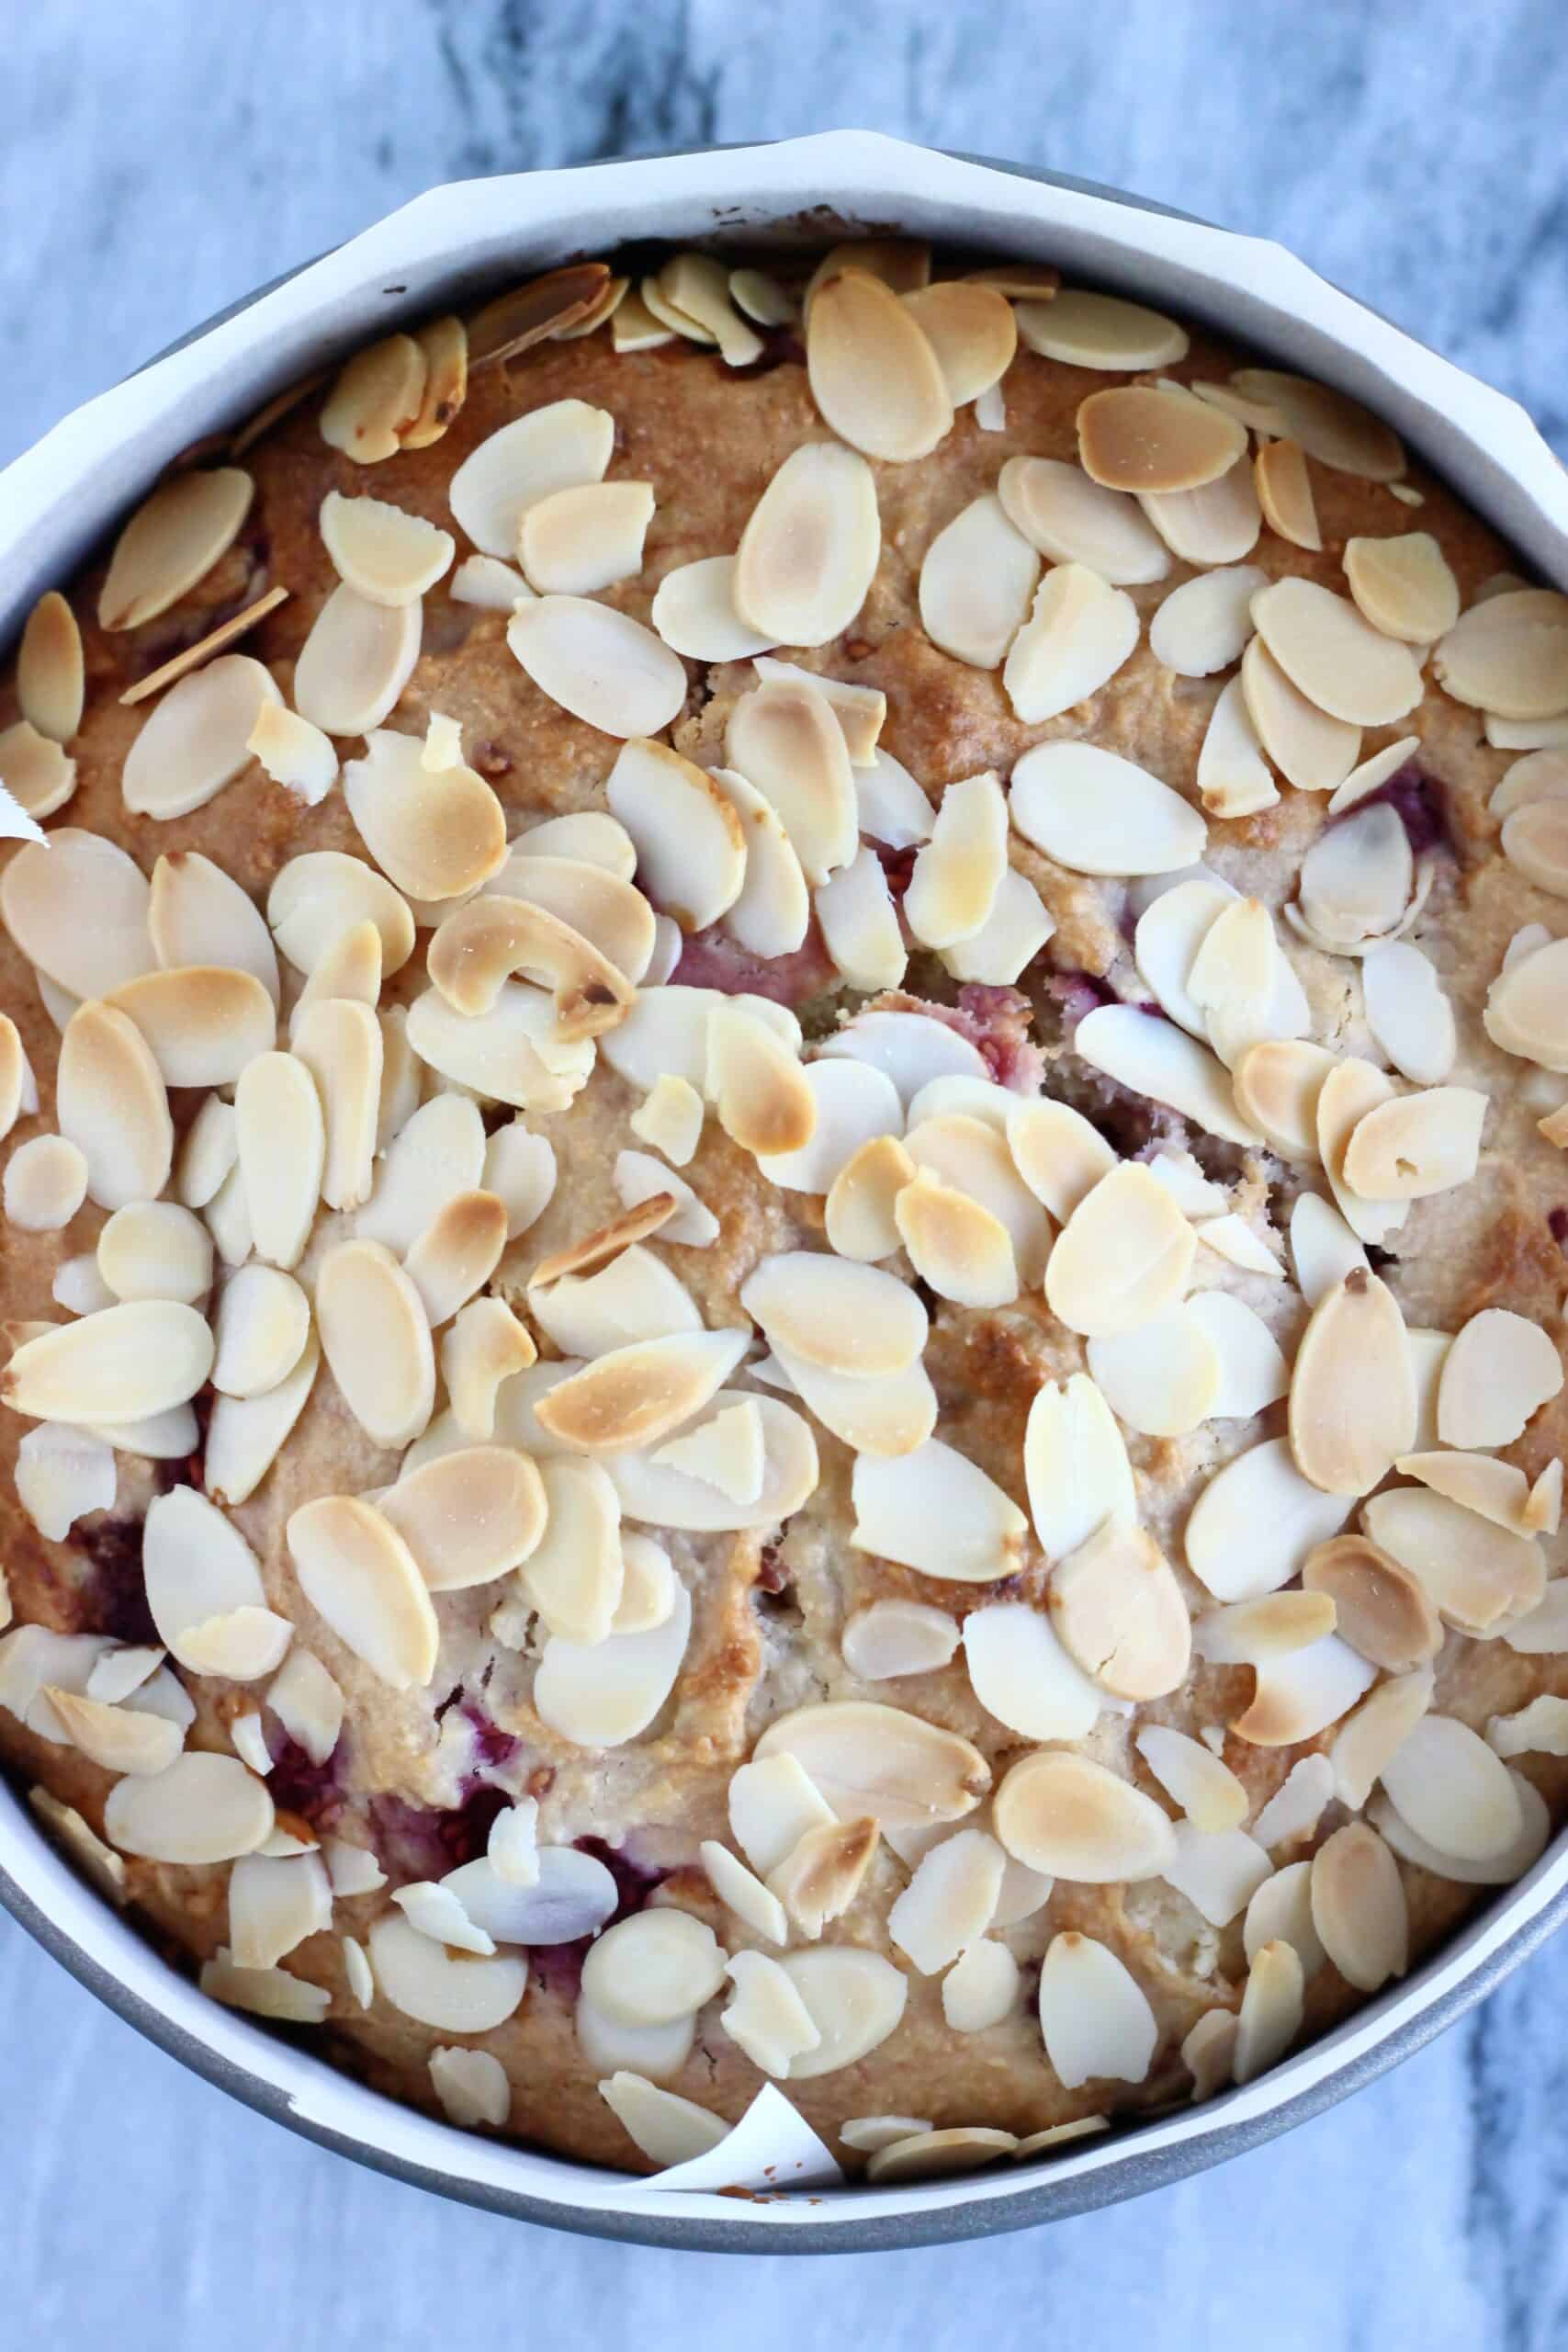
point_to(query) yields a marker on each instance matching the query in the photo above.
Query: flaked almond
(339, 1042)
(860, 710)
(1510, 655)
(1416, 1145)
(955, 1243)
(154, 1249)
(874, 373)
(822, 1874)
(511, 1054)
(811, 548)
(1119, 1613)
(1248, 1633)
(869, 1759)
(1217, 522)
(454, 1992)
(1162, 1377)
(1060, 511)
(958, 872)
(604, 1693)
(1329, 425)
(1153, 440)
(1071, 1818)
(50, 678)
(42, 891)
(123, 1363)
(377, 1337)
(262, 1322)
(1525, 1005)
(896, 1637)
(386, 554)
(112, 1107)
(1499, 1371)
(1299, 1694)
(197, 738)
(1535, 842)
(198, 914)
(698, 288)
(785, 741)
(1056, 1151)
(435, 835)
(1351, 1093)
(574, 1572)
(758, 1088)
(1381, 1608)
(316, 898)
(978, 582)
(1353, 1407)
(560, 447)
(602, 907)
(690, 843)
(1088, 330)
(1285, 493)
(846, 1317)
(171, 541)
(444, 344)
(1454, 1790)
(1277, 1085)
(575, 542)
(1122, 1258)
(694, 612)
(1097, 813)
(730, 1451)
(352, 667)
(1359, 1909)
(1203, 625)
(1255, 1523)
(203, 1809)
(281, 1140)
(1075, 1465)
(1204, 1786)
(1474, 1572)
(245, 1436)
(359, 1575)
(598, 663)
(891, 1414)
(633, 1395)
(376, 397)
(1272, 2009)
(524, 315)
(767, 2017)
(971, 329)
(1009, 939)
(1313, 750)
(203, 1022)
(1078, 633)
(1408, 1012)
(470, 1516)
(1336, 658)
(1233, 779)
(121, 1739)
(1404, 586)
(484, 1347)
(1380, 1726)
(456, 1254)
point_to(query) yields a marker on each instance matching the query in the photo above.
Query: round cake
(784, 1220)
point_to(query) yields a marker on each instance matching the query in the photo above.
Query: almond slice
(1217, 522)
(1161, 1377)
(698, 288)
(154, 1249)
(468, 1517)
(1203, 625)
(198, 1569)
(820, 1876)
(1404, 586)
(1206, 1789)
(121, 1739)
(1496, 1489)
(526, 314)
(600, 664)
(444, 344)
(633, 1395)
(604, 1695)
(560, 447)
(456, 1254)
(602, 906)
(1023, 1676)
(376, 397)
(854, 1104)
(1353, 1406)
(1500, 1370)
(694, 612)
(1535, 842)
(1276, 1084)
(1358, 1908)
(198, 914)
(456, 1992)
(384, 553)
(759, 1090)
(282, 1146)
(575, 542)
(1299, 1694)
(978, 582)
(859, 1219)
(1075, 1465)
(1417, 1145)
(763, 298)
(170, 542)
(485, 581)
(511, 1054)
(970, 1154)
(729, 1452)
(875, 376)
(1059, 1155)
(971, 328)
(1078, 634)
(811, 546)
(1008, 940)
(1329, 426)
(123, 1363)
(484, 1347)
(197, 738)
(339, 1042)
(1068, 1817)
(1510, 655)
(1256, 1522)
(1285, 494)
(1067, 516)
(1153, 440)
(934, 1511)
(785, 741)
(352, 667)
(262, 1323)
(42, 891)
(1475, 1573)
(1313, 750)
(597, 1250)
(112, 1107)
(472, 2087)
(1408, 1013)
(1349, 1092)
(1272, 2009)
(1524, 1012)
(690, 843)
(358, 1574)
(485, 941)
(245, 1436)
(1124, 1255)
(957, 874)
(1233, 780)
(1379, 1727)
(897, 1637)
(771, 911)
(1119, 1613)
(1096, 813)
(767, 2017)
(203, 1809)
(891, 1415)
(1333, 656)
(1381, 1610)
(949, 1902)
(377, 1337)
(854, 2000)
(436, 836)
(574, 1574)
(316, 898)
(846, 1317)
(1086, 330)
(1449, 1786)
(202, 1022)
(955, 1244)
(35, 774)
(49, 679)
(866, 1758)
(62, 1474)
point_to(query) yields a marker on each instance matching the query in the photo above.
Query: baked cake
(785, 1218)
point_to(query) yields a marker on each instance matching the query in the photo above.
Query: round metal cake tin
(455, 244)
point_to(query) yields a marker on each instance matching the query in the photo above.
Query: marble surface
(161, 160)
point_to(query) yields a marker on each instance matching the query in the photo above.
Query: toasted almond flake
(811, 548)
(875, 376)
(1297, 1804)
(351, 970)
(511, 1054)
(1097, 2022)
(772, 1805)
(1404, 586)
(274, 1903)
(954, 1243)
(1379, 1727)
(653, 1967)
(86, 1849)
(1510, 655)
(1119, 1613)
(1323, 1248)
(120, 1364)
(1072, 519)
(897, 1637)
(1416, 1145)
(659, 306)
(269, 1993)
(437, 1912)
(203, 1809)
(728, 1452)
(1088, 330)
(1161, 1377)
(600, 664)
(1155, 439)
(1349, 1093)
(980, 1990)
(1219, 1871)
(860, 924)
(245, 1436)
(434, 836)
(541, 306)
(855, 1105)
(574, 1571)
(1299, 1694)
(949, 1902)
(958, 872)
(698, 288)
(456, 1254)
(1059, 1155)
(444, 344)
(1206, 1789)
(456, 1992)
(309, 1706)
(1008, 940)
(1332, 655)
(1249, 1633)
(1078, 633)
(316, 898)
(42, 891)
(281, 1141)
(171, 541)
(846, 1317)
(978, 582)
(359, 1575)
(1453, 1790)
(1500, 1370)
(661, 1497)
(1280, 1911)
(633, 326)
(596, 1250)
(121, 1739)
(377, 1339)
(1472, 1570)
(694, 611)
(635, 1296)
(889, 1415)
(376, 397)
(1353, 1406)
(1542, 1512)
(1233, 780)
(633, 1396)
(1203, 625)
(198, 914)
(1408, 1012)
(1524, 1006)
(1498, 1870)
(1313, 750)
(193, 657)
(968, 1152)
(854, 2000)
(666, 1034)
(484, 1347)
(199, 1571)
(1255, 1523)
(820, 1876)
(1270, 2013)
(891, 807)
(19, 1087)
(49, 668)
(339, 1042)
(1540, 775)
(575, 542)
(485, 581)
(603, 1693)
(1123, 1256)
(1096, 813)
(1381, 1610)
(663, 2128)
(689, 842)
(866, 1758)
(46, 1184)
(1075, 1465)
(1527, 734)
(1535, 842)
(1540, 1729)
(203, 1023)
(786, 742)
(759, 1090)
(1194, 1195)
(649, 1587)
(1285, 493)
(1072, 1818)
(197, 738)
(1208, 2053)
(1329, 426)
(472, 2087)
(1276, 1084)
(766, 2017)
(971, 328)
(35, 774)
(764, 297)
(155, 1250)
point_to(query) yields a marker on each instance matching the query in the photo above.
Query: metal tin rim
(1128, 2165)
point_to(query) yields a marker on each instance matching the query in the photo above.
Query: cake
(784, 1221)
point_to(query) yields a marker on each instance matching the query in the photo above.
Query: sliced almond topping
(121, 1739)
(1329, 426)
(1500, 1370)
(472, 2087)
(484, 581)
(846, 1317)
(377, 1339)
(764, 297)
(36, 772)
(511, 1054)
(1078, 634)
(155, 1250)
(1280, 1911)
(1277, 1086)
(171, 541)
(435, 835)
(1313, 750)
(1381, 1610)
(1075, 1465)
(1338, 660)
(1233, 780)
(1249, 1633)
(387, 555)
(598, 663)
(771, 1805)
(971, 329)
(484, 1347)
(786, 742)
(1119, 1613)
(633, 1395)
(1071, 1818)
(1285, 493)
(1122, 1257)
(767, 2017)
(46, 1184)
(198, 914)
(1217, 522)
(978, 582)
(599, 906)
(694, 612)
(48, 670)
(1059, 1155)
(269, 1993)
(309, 1706)
(868, 1760)
(316, 898)
(19, 1087)
(654, 1967)
(695, 289)
(955, 1244)
(1540, 1729)
(1408, 1013)
(574, 1572)
(1073, 519)
(597, 1248)
(1351, 1093)
(1096, 813)
(897, 1637)
(575, 542)
(62, 1474)
(350, 970)
(1209, 2054)
(281, 1141)
(1417, 1145)
(1358, 1908)
(1255, 1523)
(1295, 1808)
(1219, 1871)
(1161, 1377)
(1206, 1789)
(1404, 586)
(456, 1254)
(1203, 625)
(42, 891)
(197, 739)
(1510, 655)
(666, 2130)
(729, 1452)
(123, 1363)
(875, 376)
(444, 344)
(356, 662)
(1085, 330)
(1353, 1390)
(526, 314)
(1356, 880)
(810, 549)
(1271, 2008)
(1379, 1727)
(1542, 1514)
(245, 1436)
(760, 1089)
(957, 874)
(1152, 439)
(468, 1517)
(1473, 1571)
(690, 843)
(339, 1043)
(1524, 1011)
(203, 1022)
(1535, 842)
(1453, 1790)
(1299, 1694)
(357, 1572)
(949, 1902)
(820, 1876)
(203, 1809)
(378, 396)
(860, 923)
(454, 1992)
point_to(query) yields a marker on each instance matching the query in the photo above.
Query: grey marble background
(162, 158)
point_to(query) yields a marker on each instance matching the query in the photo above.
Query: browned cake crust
(412, 1776)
